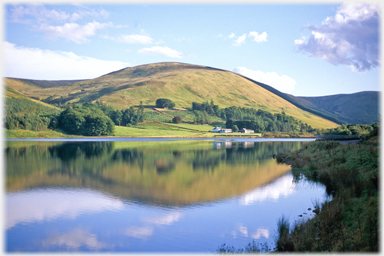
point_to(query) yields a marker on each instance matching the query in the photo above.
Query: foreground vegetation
(348, 223)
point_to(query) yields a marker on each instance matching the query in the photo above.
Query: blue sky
(301, 49)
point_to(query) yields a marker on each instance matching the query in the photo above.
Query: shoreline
(148, 138)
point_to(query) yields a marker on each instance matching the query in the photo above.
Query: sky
(304, 49)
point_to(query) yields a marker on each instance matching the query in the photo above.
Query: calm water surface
(147, 195)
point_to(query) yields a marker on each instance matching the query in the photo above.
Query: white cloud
(282, 83)
(240, 40)
(75, 32)
(232, 35)
(34, 63)
(47, 204)
(349, 38)
(258, 38)
(165, 51)
(302, 40)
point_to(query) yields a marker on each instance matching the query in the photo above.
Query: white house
(216, 129)
(225, 130)
(246, 131)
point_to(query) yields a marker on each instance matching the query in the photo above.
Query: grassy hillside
(16, 102)
(44, 83)
(182, 83)
(357, 108)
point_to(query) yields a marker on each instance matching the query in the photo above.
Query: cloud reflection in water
(75, 239)
(283, 186)
(46, 204)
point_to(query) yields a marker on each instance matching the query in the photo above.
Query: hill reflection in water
(160, 173)
(148, 196)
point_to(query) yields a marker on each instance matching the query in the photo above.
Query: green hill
(355, 108)
(182, 83)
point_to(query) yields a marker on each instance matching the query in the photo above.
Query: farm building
(246, 131)
(225, 130)
(216, 129)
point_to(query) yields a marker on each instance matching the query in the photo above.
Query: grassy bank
(20, 134)
(348, 223)
(151, 129)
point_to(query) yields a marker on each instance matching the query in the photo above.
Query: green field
(16, 134)
(154, 129)
(146, 129)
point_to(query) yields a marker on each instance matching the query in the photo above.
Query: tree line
(89, 119)
(352, 129)
(249, 118)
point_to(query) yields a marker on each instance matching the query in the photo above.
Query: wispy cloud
(282, 83)
(258, 38)
(137, 39)
(57, 23)
(34, 63)
(131, 39)
(75, 32)
(38, 13)
(240, 40)
(349, 38)
(232, 35)
(165, 51)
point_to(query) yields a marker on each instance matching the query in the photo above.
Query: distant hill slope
(336, 117)
(45, 83)
(182, 83)
(355, 108)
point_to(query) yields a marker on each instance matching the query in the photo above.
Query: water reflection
(243, 231)
(160, 173)
(74, 240)
(48, 204)
(281, 187)
(148, 196)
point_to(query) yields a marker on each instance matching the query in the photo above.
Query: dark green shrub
(177, 120)
(164, 103)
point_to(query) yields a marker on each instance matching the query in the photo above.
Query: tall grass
(250, 248)
(348, 223)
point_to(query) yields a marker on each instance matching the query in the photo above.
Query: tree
(177, 120)
(164, 103)
(235, 128)
(116, 116)
(86, 120)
